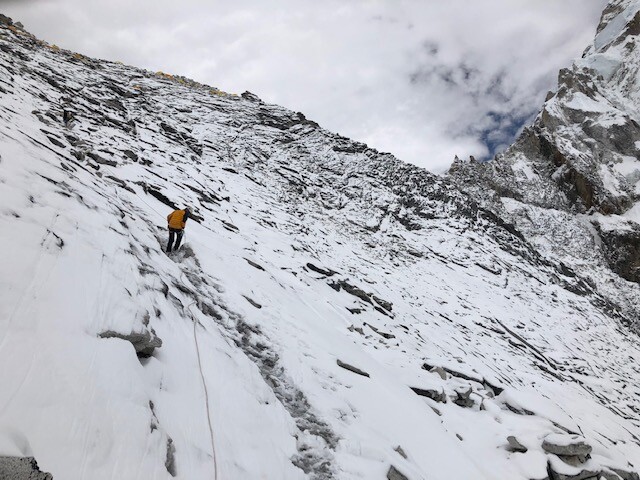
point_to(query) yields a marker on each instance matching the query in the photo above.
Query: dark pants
(174, 234)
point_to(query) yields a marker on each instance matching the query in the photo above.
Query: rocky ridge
(571, 181)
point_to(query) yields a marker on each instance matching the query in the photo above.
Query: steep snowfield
(320, 284)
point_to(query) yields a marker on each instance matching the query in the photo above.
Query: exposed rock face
(21, 468)
(622, 249)
(588, 132)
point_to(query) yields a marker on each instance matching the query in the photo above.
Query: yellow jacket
(177, 219)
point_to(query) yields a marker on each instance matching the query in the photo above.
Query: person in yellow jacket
(177, 221)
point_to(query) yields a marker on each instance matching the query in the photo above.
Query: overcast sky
(422, 79)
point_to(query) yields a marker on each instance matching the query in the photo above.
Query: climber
(177, 220)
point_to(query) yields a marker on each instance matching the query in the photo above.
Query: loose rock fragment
(394, 474)
(433, 394)
(567, 445)
(144, 342)
(515, 445)
(351, 368)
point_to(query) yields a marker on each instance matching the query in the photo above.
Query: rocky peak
(620, 20)
(582, 153)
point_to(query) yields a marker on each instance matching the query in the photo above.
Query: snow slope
(334, 313)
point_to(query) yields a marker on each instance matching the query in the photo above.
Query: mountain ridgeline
(333, 313)
(580, 156)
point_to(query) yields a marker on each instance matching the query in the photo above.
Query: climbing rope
(195, 339)
(206, 392)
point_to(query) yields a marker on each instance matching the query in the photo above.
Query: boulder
(254, 264)
(144, 342)
(432, 393)
(102, 161)
(401, 452)
(394, 474)
(566, 445)
(388, 306)
(322, 271)
(131, 155)
(441, 372)
(351, 289)
(582, 475)
(515, 445)
(463, 398)
(573, 460)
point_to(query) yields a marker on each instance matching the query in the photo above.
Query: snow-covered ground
(334, 313)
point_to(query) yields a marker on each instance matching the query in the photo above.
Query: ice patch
(629, 167)
(615, 222)
(633, 213)
(523, 168)
(615, 27)
(603, 64)
(609, 180)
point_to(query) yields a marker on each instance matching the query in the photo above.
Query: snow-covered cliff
(334, 313)
(571, 182)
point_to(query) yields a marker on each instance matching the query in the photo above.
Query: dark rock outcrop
(351, 368)
(351, 289)
(170, 460)
(624, 474)
(322, 271)
(622, 250)
(515, 445)
(432, 393)
(395, 474)
(581, 475)
(21, 468)
(463, 398)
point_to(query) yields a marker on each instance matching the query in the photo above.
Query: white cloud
(422, 79)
